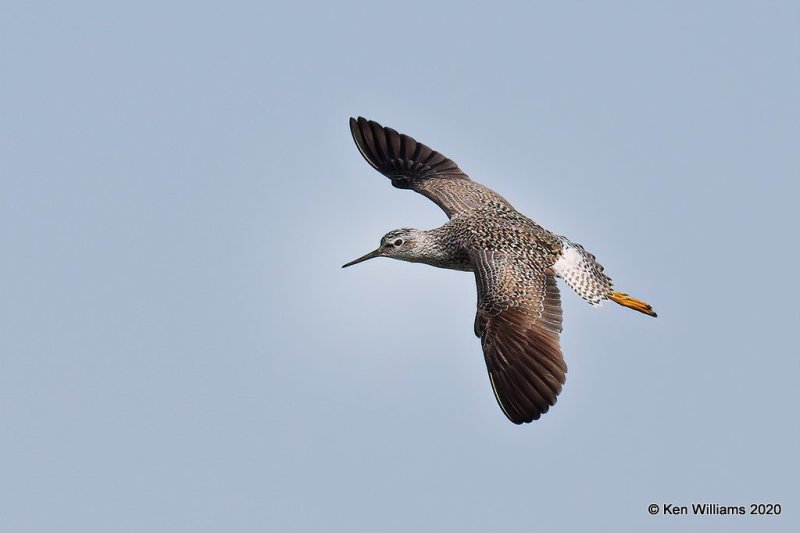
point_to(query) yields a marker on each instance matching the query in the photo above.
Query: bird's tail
(637, 305)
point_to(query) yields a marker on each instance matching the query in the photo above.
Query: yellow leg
(637, 305)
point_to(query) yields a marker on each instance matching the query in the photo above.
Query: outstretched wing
(412, 165)
(519, 321)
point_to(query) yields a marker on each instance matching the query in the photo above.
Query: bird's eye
(398, 242)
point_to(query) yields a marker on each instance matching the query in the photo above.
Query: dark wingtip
(363, 137)
(354, 130)
(398, 156)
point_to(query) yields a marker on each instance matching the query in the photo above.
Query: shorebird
(515, 261)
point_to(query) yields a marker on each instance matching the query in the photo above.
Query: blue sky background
(180, 351)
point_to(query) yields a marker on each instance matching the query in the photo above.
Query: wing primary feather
(379, 136)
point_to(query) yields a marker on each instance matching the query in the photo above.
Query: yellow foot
(637, 305)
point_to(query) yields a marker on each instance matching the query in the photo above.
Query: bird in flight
(515, 261)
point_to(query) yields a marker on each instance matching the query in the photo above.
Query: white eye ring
(398, 242)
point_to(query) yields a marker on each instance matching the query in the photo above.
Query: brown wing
(519, 321)
(412, 165)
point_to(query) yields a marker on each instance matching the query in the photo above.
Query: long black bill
(374, 253)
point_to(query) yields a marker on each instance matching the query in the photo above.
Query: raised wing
(519, 321)
(412, 165)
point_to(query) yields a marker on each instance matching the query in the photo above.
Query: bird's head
(405, 244)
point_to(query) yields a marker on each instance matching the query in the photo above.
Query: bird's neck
(434, 248)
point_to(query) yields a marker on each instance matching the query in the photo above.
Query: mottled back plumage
(515, 262)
